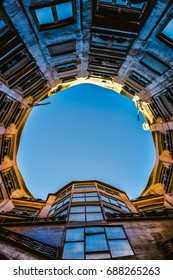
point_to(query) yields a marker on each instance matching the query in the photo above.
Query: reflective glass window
(2, 24)
(122, 2)
(75, 234)
(168, 30)
(64, 10)
(80, 217)
(96, 242)
(73, 251)
(153, 64)
(120, 248)
(44, 15)
(94, 217)
(115, 232)
(94, 229)
(77, 209)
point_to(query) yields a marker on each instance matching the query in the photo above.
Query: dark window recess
(113, 42)
(139, 79)
(130, 89)
(166, 99)
(166, 32)
(52, 15)
(37, 90)
(155, 110)
(62, 48)
(69, 78)
(16, 115)
(166, 141)
(66, 66)
(165, 177)
(12, 61)
(154, 64)
(6, 146)
(1, 195)
(27, 211)
(167, 248)
(5, 107)
(8, 181)
(27, 81)
(124, 3)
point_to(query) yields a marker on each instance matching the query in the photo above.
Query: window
(54, 14)
(166, 32)
(124, 3)
(96, 243)
(130, 89)
(66, 67)
(139, 79)
(154, 64)
(2, 24)
(85, 213)
(59, 204)
(62, 48)
(108, 190)
(84, 187)
(115, 202)
(82, 197)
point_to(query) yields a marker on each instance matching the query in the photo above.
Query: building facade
(123, 45)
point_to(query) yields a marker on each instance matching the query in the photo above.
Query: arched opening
(87, 132)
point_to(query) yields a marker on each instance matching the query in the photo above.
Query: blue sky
(86, 133)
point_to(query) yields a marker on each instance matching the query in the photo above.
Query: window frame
(166, 40)
(152, 68)
(103, 231)
(56, 23)
(61, 44)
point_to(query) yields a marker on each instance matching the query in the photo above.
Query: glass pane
(44, 15)
(154, 64)
(121, 2)
(96, 243)
(168, 31)
(78, 195)
(98, 256)
(125, 209)
(120, 248)
(121, 203)
(77, 217)
(77, 209)
(79, 188)
(78, 199)
(64, 10)
(138, 6)
(91, 194)
(104, 198)
(94, 229)
(75, 234)
(74, 251)
(90, 187)
(93, 209)
(66, 200)
(94, 217)
(114, 202)
(106, 1)
(2, 24)
(59, 205)
(108, 210)
(94, 198)
(115, 232)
